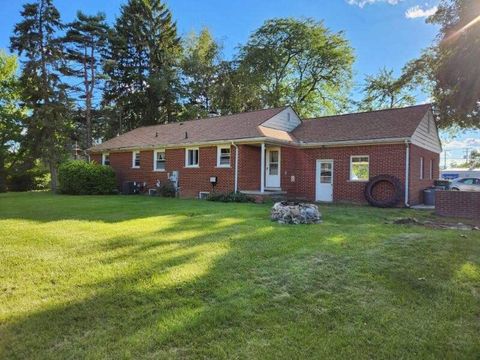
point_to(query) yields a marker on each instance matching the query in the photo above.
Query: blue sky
(382, 32)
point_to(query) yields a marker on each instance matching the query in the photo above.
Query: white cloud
(417, 12)
(362, 3)
(473, 143)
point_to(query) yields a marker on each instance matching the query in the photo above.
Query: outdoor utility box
(429, 197)
(130, 188)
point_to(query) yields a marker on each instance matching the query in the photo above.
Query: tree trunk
(3, 175)
(54, 176)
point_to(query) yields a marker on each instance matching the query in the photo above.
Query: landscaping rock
(285, 212)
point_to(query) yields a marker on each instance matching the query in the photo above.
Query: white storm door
(324, 181)
(272, 169)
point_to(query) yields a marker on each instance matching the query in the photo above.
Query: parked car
(466, 184)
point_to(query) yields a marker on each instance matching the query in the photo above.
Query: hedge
(79, 177)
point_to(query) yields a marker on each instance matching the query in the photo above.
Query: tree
(48, 127)
(456, 71)
(298, 62)
(200, 67)
(11, 115)
(142, 66)
(85, 43)
(384, 91)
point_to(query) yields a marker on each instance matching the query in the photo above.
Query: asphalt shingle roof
(382, 124)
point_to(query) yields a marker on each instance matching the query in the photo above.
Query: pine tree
(85, 43)
(142, 68)
(36, 39)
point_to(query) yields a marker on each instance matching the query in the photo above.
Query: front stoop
(267, 195)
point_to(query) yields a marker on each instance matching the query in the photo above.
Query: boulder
(285, 212)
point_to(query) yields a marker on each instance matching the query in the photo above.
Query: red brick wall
(191, 180)
(299, 163)
(464, 204)
(417, 185)
(384, 159)
(248, 167)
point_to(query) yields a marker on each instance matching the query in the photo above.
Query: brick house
(274, 151)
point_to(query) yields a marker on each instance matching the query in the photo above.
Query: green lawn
(139, 277)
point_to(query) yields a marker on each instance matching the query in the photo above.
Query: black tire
(455, 189)
(391, 202)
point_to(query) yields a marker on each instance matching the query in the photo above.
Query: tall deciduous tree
(385, 91)
(85, 43)
(298, 62)
(200, 67)
(456, 70)
(11, 115)
(36, 39)
(143, 65)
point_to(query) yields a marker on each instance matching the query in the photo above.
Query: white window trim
(186, 157)
(422, 174)
(103, 158)
(155, 152)
(431, 169)
(351, 163)
(134, 153)
(219, 150)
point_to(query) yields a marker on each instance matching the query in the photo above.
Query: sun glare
(462, 29)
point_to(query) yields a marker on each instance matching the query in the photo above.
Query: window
(421, 168)
(159, 160)
(191, 157)
(431, 169)
(136, 159)
(359, 168)
(468, 181)
(223, 156)
(105, 159)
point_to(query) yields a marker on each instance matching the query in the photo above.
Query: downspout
(407, 172)
(236, 166)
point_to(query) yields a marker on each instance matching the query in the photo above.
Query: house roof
(229, 127)
(371, 126)
(381, 124)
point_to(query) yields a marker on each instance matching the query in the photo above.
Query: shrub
(78, 177)
(233, 196)
(35, 178)
(167, 190)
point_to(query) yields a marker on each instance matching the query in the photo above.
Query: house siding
(297, 173)
(417, 185)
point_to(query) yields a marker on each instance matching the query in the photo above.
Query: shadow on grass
(253, 289)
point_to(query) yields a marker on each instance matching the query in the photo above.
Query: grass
(139, 277)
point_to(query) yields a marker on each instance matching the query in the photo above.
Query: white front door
(272, 170)
(324, 180)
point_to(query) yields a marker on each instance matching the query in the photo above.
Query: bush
(233, 196)
(78, 177)
(36, 178)
(167, 190)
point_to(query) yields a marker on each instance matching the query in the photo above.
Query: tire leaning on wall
(384, 203)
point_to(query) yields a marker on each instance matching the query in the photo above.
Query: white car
(466, 184)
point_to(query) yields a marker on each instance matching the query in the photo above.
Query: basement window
(136, 159)
(191, 157)
(159, 160)
(359, 168)
(105, 159)
(223, 156)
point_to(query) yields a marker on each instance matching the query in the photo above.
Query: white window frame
(431, 169)
(155, 158)
(134, 156)
(351, 166)
(198, 157)
(104, 155)
(219, 152)
(422, 172)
